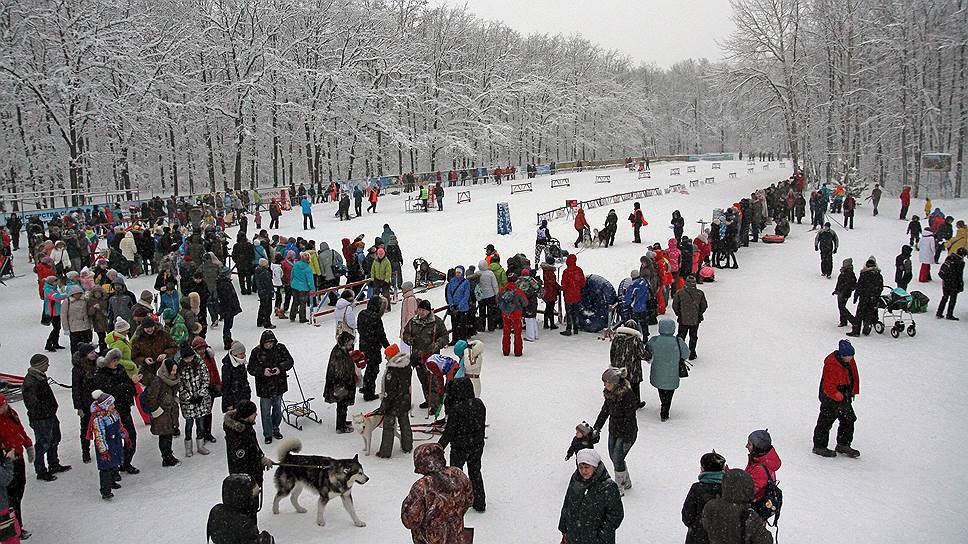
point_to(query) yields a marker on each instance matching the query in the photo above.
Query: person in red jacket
(838, 387)
(762, 466)
(580, 225)
(512, 301)
(44, 268)
(550, 292)
(905, 201)
(572, 282)
(14, 438)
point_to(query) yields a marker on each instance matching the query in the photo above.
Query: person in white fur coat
(471, 355)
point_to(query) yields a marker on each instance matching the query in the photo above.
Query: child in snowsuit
(109, 435)
(914, 231)
(585, 439)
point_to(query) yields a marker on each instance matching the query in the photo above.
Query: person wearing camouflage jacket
(434, 509)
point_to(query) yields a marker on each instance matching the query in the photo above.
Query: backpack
(772, 500)
(508, 302)
(919, 302)
(945, 271)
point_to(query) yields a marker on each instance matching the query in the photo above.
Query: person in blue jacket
(637, 298)
(301, 282)
(459, 302)
(307, 211)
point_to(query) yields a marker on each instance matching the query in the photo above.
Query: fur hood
(628, 331)
(399, 360)
(230, 422)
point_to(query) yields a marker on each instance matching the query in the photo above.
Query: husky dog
(365, 424)
(326, 476)
(586, 238)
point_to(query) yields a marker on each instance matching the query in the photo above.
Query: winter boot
(188, 448)
(200, 446)
(86, 456)
(848, 451)
(170, 461)
(824, 452)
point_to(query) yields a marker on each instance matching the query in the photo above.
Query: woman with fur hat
(235, 378)
(163, 400)
(242, 448)
(619, 409)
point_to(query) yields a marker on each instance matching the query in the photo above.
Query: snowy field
(769, 325)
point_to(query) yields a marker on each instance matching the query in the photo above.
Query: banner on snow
(503, 218)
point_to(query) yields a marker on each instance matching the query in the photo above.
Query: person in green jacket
(499, 273)
(175, 326)
(119, 339)
(425, 197)
(592, 510)
(381, 271)
(667, 350)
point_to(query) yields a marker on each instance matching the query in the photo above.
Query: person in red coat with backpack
(838, 387)
(572, 282)
(762, 466)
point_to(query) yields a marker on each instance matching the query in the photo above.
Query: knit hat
(712, 462)
(407, 286)
(584, 428)
(612, 375)
(199, 343)
(634, 274)
(761, 440)
(73, 275)
(39, 360)
(74, 290)
(391, 351)
(237, 348)
(186, 351)
(424, 304)
(169, 314)
(146, 298)
(149, 322)
(871, 261)
(845, 348)
(98, 395)
(85, 348)
(121, 325)
(264, 263)
(588, 457)
(244, 409)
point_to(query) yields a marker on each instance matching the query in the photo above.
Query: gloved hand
(267, 463)
(596, 433)
(30, 454)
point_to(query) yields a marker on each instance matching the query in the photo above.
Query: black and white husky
(326, 476)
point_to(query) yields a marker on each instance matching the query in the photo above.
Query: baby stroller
(426, 275)
(895, 304)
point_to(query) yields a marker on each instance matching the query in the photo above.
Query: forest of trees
(189, 96)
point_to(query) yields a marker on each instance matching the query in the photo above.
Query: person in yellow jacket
(927, 206)
(119, 339)
(314, 265)
(381, 272)
(959, 240)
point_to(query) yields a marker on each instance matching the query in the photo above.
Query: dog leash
(294, 465)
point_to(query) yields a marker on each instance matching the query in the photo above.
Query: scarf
(711, 477)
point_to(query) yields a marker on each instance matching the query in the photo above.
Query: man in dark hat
(426, 335)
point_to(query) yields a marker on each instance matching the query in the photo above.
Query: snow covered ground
(769, 325)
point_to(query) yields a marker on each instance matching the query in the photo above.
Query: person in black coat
(111, 378)
(241, 445)
(678, 225)
(197, 285)
(846, 283)
(243, 252)
(870, 283)
(903, 273)
(611, 227)
(706, 489)
(228, 305)
(464, 431)
(340, 386)
(262, 285)
(41, 407)
(373, 340)
(235, 378)
(826, 243)
(730, 518)
(952, 282)
(234, 521)
(82, 377)
(619, 409)
(269, 362)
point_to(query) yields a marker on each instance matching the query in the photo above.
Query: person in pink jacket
(409, 307)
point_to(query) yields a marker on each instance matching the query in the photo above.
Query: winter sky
(662, 32)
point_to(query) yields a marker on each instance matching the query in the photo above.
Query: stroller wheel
(879, 327)
(912, 330)
(895, 333)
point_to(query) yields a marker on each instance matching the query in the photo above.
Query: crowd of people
(148, 356)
